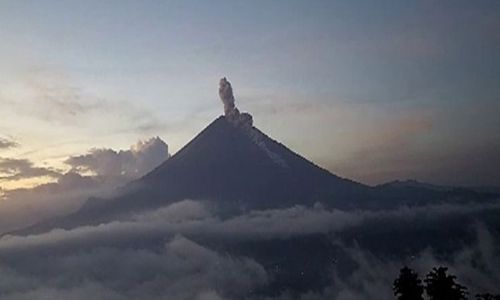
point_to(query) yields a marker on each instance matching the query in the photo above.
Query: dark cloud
(15, 169)
(6, 143)
(135, 162)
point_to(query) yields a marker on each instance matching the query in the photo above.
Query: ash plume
(226, 95)
(230, 111)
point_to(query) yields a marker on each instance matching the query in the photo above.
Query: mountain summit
(234, 165)
(237, 164)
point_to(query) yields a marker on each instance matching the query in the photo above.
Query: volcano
(238, 164)
(255, 201)
(233, 165)
(237, 167)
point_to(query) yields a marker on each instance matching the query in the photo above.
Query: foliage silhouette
(408, 286)
(441, 286)
(438, 286)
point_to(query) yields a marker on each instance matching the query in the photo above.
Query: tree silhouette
(408, 286)
(441, 286)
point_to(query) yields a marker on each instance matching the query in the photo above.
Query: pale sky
(371, 90)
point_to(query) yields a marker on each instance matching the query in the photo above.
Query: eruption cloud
(226, 95)
(230, 111)
(244, 120)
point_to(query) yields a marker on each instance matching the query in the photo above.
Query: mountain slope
(234, 166)
(239, 167)
(228, 162)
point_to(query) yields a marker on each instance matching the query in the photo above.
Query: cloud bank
(133, 163)
(174, 253)
(181, 269)
(199, 219)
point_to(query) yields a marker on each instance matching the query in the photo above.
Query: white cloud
(133, 163)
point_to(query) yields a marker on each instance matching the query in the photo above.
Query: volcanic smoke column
(231, 113)
(244, 121)
(226, 95)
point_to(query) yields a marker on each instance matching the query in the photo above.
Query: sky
(371, 90)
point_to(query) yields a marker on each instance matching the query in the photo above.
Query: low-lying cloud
(165, 254)
(198, 219)
(181, 269)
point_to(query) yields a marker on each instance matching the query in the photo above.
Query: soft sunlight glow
(26, 183)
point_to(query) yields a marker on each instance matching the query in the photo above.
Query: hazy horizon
(372, 92)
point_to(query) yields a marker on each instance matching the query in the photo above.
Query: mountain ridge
(242, 154)
(237, 168)
(227, 165)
